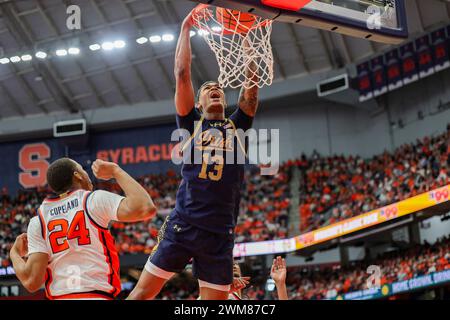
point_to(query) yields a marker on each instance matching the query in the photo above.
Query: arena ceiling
(143, 72)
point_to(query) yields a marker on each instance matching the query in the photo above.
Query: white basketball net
(243, 52)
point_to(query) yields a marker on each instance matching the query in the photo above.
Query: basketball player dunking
(68, 246)
(201, 227)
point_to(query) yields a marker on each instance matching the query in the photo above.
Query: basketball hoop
(241, 43)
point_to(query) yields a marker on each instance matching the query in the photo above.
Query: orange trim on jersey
(110, 252)
(86, 210)
(42, 221)
(85, 199)
(82, 296)
(112, 259)
(60, 197)
(48, 281)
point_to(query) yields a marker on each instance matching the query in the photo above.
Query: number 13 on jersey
(216, 173)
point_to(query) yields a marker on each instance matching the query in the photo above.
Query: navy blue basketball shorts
(180, 243)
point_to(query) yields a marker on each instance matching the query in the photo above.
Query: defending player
(239, 283)
(277, 272)
(68, 245)
(201, 227)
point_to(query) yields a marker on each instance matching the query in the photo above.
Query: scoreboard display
(406, 64)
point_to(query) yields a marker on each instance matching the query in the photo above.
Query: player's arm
(248, 99)
(30, 272)
(239, 283)
(278, 274)
(137, 204)
(184, 91)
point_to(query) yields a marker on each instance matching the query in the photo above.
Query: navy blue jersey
(209, 193)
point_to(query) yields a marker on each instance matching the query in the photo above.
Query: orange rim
(200, 12)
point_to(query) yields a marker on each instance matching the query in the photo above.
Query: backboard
(376, 20)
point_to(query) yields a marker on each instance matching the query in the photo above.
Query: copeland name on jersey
(64, 208)
(209, 193)
(73, 231)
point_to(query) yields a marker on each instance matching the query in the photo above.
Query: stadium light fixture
(74, 51)
(155, 39)
(141, 40)
(41, 55)
(119, 44)
(94, 47)
(15, 59)
(26, 57)
(168, 37)
(202, 33)
(107, 46)
(61, 52)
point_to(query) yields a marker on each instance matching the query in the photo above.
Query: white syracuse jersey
(73, 230)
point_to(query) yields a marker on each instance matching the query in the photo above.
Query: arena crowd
(329, 281)
(331, 189)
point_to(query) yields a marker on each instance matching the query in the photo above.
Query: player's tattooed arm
(248, 99)
(184, 92)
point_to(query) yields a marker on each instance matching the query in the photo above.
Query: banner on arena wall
(379, 76)
(406, 64)
(264, 247)
(441, 46)
(410, 70)
(139, 151)
(424, 56)
(374, 217)
(345, 227)
(432, 279)
(394, 73)
(364, 82)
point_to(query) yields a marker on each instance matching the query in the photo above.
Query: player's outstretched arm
(248, 99)
(278, 274)
(137, 205)
(30, 272)
(184, 91)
